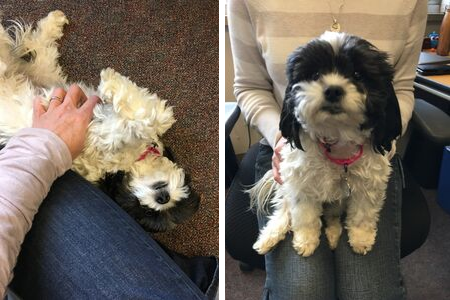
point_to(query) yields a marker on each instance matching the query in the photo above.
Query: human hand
(276, 158)
(68, 116)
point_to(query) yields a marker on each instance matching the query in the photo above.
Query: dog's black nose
(334, 93)
(163, 197)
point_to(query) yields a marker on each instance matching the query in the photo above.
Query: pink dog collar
(149, 150)
(342, 161)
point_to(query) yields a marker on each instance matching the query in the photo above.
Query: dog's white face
(158, 183)
(330, 106)
(340, 88)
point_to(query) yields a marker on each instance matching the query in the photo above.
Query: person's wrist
(278, 136)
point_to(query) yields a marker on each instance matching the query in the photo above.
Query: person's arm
(252, 84)
(32, 160)
(405, 68)
(29, 163)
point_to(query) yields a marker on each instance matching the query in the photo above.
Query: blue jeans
(82, 245)
(341, 273)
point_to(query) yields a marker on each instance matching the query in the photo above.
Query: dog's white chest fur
(309, 174)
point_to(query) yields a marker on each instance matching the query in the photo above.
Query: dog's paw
(133, 103)
(265, 243)
(333, 233)
(305, 242)
(361, 239)
(52, 25)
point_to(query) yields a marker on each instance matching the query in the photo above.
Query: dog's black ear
(386, 121)
(382, 108)
(290, 127)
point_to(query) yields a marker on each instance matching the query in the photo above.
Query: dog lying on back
(341, 117)
(128, 120)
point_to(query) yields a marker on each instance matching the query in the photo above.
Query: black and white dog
(155, 192)
(341, 118)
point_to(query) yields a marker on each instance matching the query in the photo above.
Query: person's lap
(82, 245)
(341, 273)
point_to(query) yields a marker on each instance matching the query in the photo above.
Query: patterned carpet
(170, 47)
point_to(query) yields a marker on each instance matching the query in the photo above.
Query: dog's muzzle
(334, 93)
(163, 197)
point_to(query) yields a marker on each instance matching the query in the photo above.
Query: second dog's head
(340, 87)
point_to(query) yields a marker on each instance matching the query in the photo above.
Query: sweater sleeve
(29, 164)
(252, 84)
(405, 68)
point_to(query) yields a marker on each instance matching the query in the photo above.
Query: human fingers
(56, 99)
(75, 96)
(38, 108)
(88, 107)
(276, 168)
(276, 159)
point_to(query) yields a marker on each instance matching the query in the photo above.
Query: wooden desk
(443, 79)
(437, 85)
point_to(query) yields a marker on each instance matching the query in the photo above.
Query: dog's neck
(339, 149)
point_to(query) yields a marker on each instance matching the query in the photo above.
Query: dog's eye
(316, 76)
(357, 75)
(160, 185)
(295, 88)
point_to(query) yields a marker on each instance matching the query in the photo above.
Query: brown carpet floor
(170, 47)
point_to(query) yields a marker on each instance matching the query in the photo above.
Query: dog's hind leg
(38, 50)
(133, 104)
(332, 215)
(275, 230)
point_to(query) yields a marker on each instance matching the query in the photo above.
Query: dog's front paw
(333, 233)
(266, 242)
(361, 239)
(52, 25)
(305, 241)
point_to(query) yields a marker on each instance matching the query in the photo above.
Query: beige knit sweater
(264, 32)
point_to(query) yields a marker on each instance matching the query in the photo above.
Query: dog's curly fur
(128, 119)
(339, 89)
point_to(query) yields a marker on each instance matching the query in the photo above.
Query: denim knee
(291, 276)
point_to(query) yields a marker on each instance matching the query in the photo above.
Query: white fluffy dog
(128, 120)
(340, 116)
(124, 125)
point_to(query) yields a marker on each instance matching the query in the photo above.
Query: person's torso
(282, 26)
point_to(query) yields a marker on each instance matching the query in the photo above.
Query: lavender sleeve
(29, 164)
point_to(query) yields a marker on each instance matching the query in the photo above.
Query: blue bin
(444, 181)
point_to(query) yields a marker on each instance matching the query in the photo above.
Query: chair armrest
(431, 122)
(232, 117)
